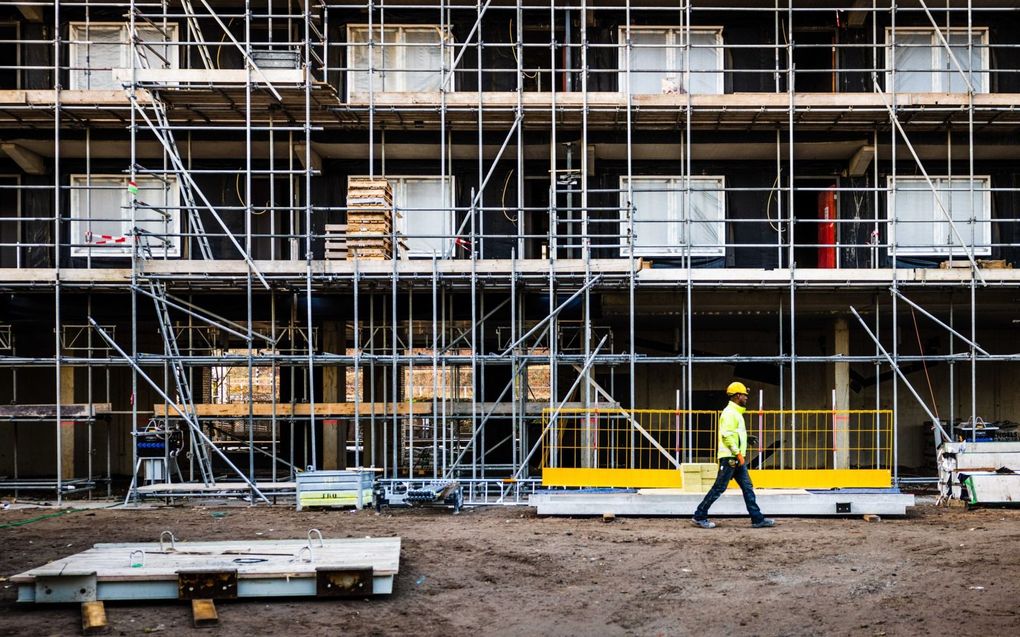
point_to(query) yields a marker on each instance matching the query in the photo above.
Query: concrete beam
(315, 159)
(32, 13)
(861, 160)
(841, 385)
(856, 19)
(27, 160)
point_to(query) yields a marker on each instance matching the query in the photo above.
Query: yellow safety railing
(645, 447)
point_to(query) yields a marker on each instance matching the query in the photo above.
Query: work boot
(764, 524)
(704, 524)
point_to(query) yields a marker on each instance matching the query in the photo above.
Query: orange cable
(924, 363)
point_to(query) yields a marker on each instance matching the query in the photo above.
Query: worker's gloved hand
(752, 440)
(740, 458)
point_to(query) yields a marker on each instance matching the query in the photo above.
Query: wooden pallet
(336, 241)
(984, 264)
(369, 219)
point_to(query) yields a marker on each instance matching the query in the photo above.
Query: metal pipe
(195, 428)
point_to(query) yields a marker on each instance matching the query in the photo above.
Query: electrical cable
(502, 199)
(11, 525)
(513, 49)
(240, 199)
(778, 227)
(924, 363)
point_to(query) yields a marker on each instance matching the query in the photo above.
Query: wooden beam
(346, 409)
(27, 160)
(334, 439)
(203, 613)
(32, 13)
(861, 160)
(49, 412)
(93, 618)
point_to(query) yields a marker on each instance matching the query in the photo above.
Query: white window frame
(400, 216)
(942, 231)
(673, 40)
(674, 226)
(401, 51)
(81, 32)
(80, 226)
(980, 39)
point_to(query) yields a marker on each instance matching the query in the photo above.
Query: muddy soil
(504, 571)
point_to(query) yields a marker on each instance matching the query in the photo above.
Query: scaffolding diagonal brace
(932, 317)
(195, 429)
(553, 314)
(634, 423)
(938, 198)
(205, 201)
(899, 372)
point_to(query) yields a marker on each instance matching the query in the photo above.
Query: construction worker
(732, 465)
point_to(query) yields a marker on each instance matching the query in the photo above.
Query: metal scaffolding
(595, 205)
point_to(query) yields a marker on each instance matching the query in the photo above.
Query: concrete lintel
(27, 160)
(861, 160)
(32, 13)
(857, 16)
(314, 158)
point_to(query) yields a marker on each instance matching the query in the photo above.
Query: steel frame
(285, 142)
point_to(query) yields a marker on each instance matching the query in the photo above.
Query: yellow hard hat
(736, 388)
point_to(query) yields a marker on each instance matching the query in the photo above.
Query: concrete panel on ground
(675, 502)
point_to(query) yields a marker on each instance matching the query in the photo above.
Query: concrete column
(841, 383)
(334, 390)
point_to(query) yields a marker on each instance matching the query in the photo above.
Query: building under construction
(502, 242)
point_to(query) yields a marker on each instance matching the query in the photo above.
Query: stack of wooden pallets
(369, 219)
(336, 241)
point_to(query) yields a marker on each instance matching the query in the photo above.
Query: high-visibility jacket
(732, 432)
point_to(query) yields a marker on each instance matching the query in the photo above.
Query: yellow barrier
(645, 448)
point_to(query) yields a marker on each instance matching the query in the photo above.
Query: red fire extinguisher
(827, 229)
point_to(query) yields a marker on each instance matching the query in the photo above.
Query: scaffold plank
(349, 409)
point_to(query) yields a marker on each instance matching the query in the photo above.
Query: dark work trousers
(730, 470)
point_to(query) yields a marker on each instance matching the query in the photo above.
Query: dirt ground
(504, 571)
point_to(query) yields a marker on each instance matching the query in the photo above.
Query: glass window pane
(913, 62)
(424, 206)
(969, 59)
(648, 62)
(914, 217)
(656, 211)
(706, 212)
(967, 210)
(96, 210)
(97, 51)
(706, 76)
(154, 212)
(423, 55)
(154, 53)
(360, 56)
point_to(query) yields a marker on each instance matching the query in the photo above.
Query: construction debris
(989, 466)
